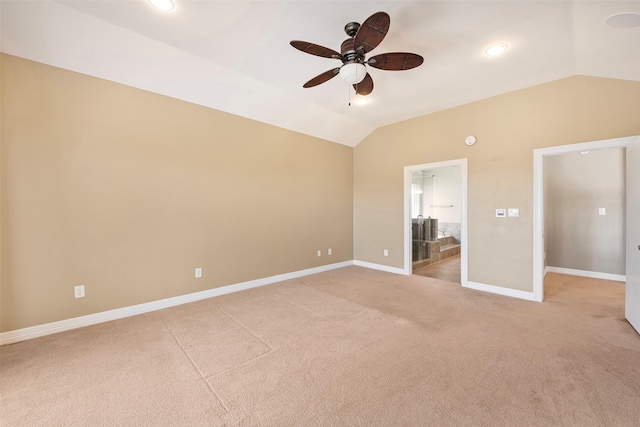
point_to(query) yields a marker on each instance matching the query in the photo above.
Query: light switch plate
(602, 211)
(501, 213)
(514, 212)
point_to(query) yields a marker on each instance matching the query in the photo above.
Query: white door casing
(632, 290)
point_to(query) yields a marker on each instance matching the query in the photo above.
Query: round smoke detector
(624, 20)
(470, 140)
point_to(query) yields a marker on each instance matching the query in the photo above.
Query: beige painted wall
(576, 235)
(126, 192)
(500, 167)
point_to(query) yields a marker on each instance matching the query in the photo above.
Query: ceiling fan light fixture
(353, 72)
(496, 49)
(162, 4)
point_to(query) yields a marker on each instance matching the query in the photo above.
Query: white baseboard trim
(119, 313)
(584, 273)
(380, 267)
(529, 296)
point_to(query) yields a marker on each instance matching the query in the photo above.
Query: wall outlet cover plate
(501, 213)
(78, 291)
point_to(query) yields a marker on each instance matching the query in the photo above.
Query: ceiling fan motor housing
(349, 53)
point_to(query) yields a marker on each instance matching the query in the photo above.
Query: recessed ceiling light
(361, 100)
(624, 20)
(496, 49)
(162, 4)
(584, 152)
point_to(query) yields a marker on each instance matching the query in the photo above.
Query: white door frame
(538, 199)
(408, 171)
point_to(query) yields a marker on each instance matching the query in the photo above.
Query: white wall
(445, 189)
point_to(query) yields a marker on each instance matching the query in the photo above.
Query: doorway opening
(539, 255)
(585, 213)
(436, 220)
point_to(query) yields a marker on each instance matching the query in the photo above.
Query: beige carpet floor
(350, 347)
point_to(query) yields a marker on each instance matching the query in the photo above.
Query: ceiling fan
(362, 39)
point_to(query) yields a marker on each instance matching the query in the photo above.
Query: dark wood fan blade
(372, 31)
(365, 87)
(321, 78)
(315, 49)
(395, 61)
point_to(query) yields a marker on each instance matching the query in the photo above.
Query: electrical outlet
(78, 291)
(198, 272)
(319, 252)
(386, 252)
(329, 251)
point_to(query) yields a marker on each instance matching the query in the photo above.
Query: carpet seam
(184, 351)
(271, 349)
(316, 314)
(246, 329)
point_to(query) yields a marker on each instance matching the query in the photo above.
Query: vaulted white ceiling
(235, 55)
